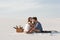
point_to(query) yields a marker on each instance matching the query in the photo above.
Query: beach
(23, 36)
(7, 32)
(16, 12)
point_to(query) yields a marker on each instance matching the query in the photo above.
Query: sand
(7, 32)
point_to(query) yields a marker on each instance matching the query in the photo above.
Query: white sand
(8, 33)
(22, 36)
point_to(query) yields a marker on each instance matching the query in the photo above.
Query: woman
(28, 25)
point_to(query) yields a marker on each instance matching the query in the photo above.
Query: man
(37, 27)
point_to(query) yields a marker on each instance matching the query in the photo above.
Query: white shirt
(27, 27)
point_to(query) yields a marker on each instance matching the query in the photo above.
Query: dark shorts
(44, 32)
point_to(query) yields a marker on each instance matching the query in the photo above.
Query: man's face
(33, 20)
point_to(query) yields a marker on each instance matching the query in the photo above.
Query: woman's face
(30, 19)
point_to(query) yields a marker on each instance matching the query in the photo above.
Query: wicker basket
(19, 29)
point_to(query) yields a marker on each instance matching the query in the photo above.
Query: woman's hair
(29, 19)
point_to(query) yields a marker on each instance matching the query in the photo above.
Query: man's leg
(45, 31)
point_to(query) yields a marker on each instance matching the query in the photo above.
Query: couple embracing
(33, 25)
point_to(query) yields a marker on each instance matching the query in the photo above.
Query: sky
(13, 11)
(27, 8)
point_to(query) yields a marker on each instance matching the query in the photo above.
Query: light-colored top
(27, 28)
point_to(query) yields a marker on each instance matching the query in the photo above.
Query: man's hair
(35, 18)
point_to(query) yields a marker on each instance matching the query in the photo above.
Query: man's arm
(32, 29)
